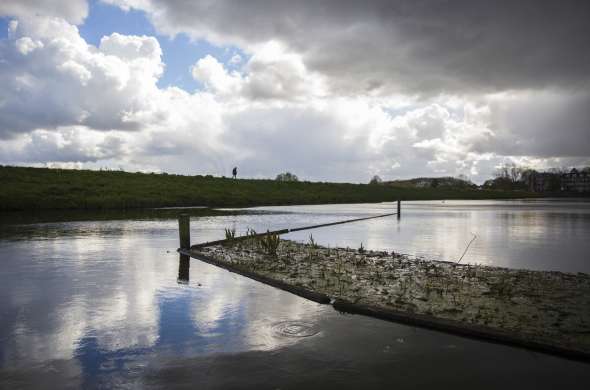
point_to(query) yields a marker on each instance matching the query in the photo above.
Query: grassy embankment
(41, 188)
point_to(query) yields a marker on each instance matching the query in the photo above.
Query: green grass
(42, 189)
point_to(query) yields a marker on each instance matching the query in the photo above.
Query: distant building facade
(542, 181)
(575, 181)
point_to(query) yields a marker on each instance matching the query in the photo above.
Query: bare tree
(510, 171)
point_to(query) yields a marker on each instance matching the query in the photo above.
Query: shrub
(375, 180)
(287, 176)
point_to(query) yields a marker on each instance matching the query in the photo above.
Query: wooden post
(399, 209)
(184, 231)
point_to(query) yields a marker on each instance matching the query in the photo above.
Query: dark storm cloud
(547, 125)
(407, 46)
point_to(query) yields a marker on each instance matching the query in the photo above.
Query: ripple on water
(294, 329)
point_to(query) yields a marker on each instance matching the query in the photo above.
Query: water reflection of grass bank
(36, 216)
(544, 310)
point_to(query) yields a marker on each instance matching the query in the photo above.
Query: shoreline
(538, 310)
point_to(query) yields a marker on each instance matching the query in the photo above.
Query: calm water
(531, 234)
(103, 304)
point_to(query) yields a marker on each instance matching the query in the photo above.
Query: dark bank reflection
(184, 266)
(98, 304)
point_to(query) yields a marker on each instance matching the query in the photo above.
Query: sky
(331, 90)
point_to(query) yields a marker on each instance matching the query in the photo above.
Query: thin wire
(285, 231)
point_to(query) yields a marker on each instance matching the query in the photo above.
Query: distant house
(541, 181)
(575, 181)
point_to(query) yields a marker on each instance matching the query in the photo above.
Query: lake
(90, 304)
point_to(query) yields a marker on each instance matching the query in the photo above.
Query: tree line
(508, 177)
(514, 177)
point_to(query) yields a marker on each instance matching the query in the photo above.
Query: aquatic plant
(252, 240)
(361, 248)
(311, 254)
(230, 234)
(269, 243)
(312, 242)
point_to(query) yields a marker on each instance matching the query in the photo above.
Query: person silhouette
(235, 172)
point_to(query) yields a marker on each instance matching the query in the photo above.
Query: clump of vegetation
(230, 234)
(269, 243)
(361, 248)
(312, 243)
(313, 246)
(253, 240)
(375, 180)
(287, 176)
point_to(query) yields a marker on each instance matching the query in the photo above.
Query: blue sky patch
(4, 27)
(179, 53)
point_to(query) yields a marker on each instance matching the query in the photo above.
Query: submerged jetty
(545, 311)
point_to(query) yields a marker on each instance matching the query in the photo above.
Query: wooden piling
(399, 209)
(184, 231)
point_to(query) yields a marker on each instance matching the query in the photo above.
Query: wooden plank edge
(459, 328)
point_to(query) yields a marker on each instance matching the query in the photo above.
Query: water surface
(107, 303)
(531, 234)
